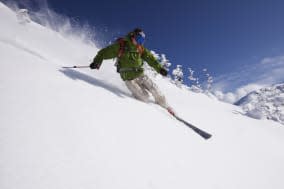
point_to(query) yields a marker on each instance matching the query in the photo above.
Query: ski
(202, 133)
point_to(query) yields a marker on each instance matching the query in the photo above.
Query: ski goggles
(140, 38)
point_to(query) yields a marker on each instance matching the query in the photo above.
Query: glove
(94, 66)
(163, 72)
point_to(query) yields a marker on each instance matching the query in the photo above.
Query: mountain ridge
(265, 103)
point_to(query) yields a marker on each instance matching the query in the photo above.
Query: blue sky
(224, 36)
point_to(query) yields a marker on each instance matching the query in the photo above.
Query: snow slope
(62, 128)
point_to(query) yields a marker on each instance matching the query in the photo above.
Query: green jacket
(130, 63)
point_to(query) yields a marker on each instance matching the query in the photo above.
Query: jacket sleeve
(151, 60)
(108, 52)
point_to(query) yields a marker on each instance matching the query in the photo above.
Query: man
(130, 54)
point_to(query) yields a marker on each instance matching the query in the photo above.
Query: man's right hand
(94, 66)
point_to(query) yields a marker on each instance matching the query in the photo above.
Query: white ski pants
(142, 86)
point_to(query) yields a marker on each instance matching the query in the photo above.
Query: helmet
(139, 36)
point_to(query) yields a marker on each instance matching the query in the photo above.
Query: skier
(130, 54)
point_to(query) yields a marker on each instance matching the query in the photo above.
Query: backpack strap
(121, 42)
(140, 48)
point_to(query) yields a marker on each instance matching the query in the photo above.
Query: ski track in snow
(66, 128)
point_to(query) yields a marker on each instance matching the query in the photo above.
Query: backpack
(122, 48)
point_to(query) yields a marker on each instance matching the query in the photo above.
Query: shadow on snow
(75, 75)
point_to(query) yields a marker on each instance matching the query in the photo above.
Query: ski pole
(76, 67)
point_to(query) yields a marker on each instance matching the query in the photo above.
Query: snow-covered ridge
(264, 103)
(63, 128)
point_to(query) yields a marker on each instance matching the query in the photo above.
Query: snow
(63, 128)
(265, 103)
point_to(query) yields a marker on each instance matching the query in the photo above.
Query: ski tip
(207, 137)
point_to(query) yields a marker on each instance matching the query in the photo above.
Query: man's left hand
(163, 72)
